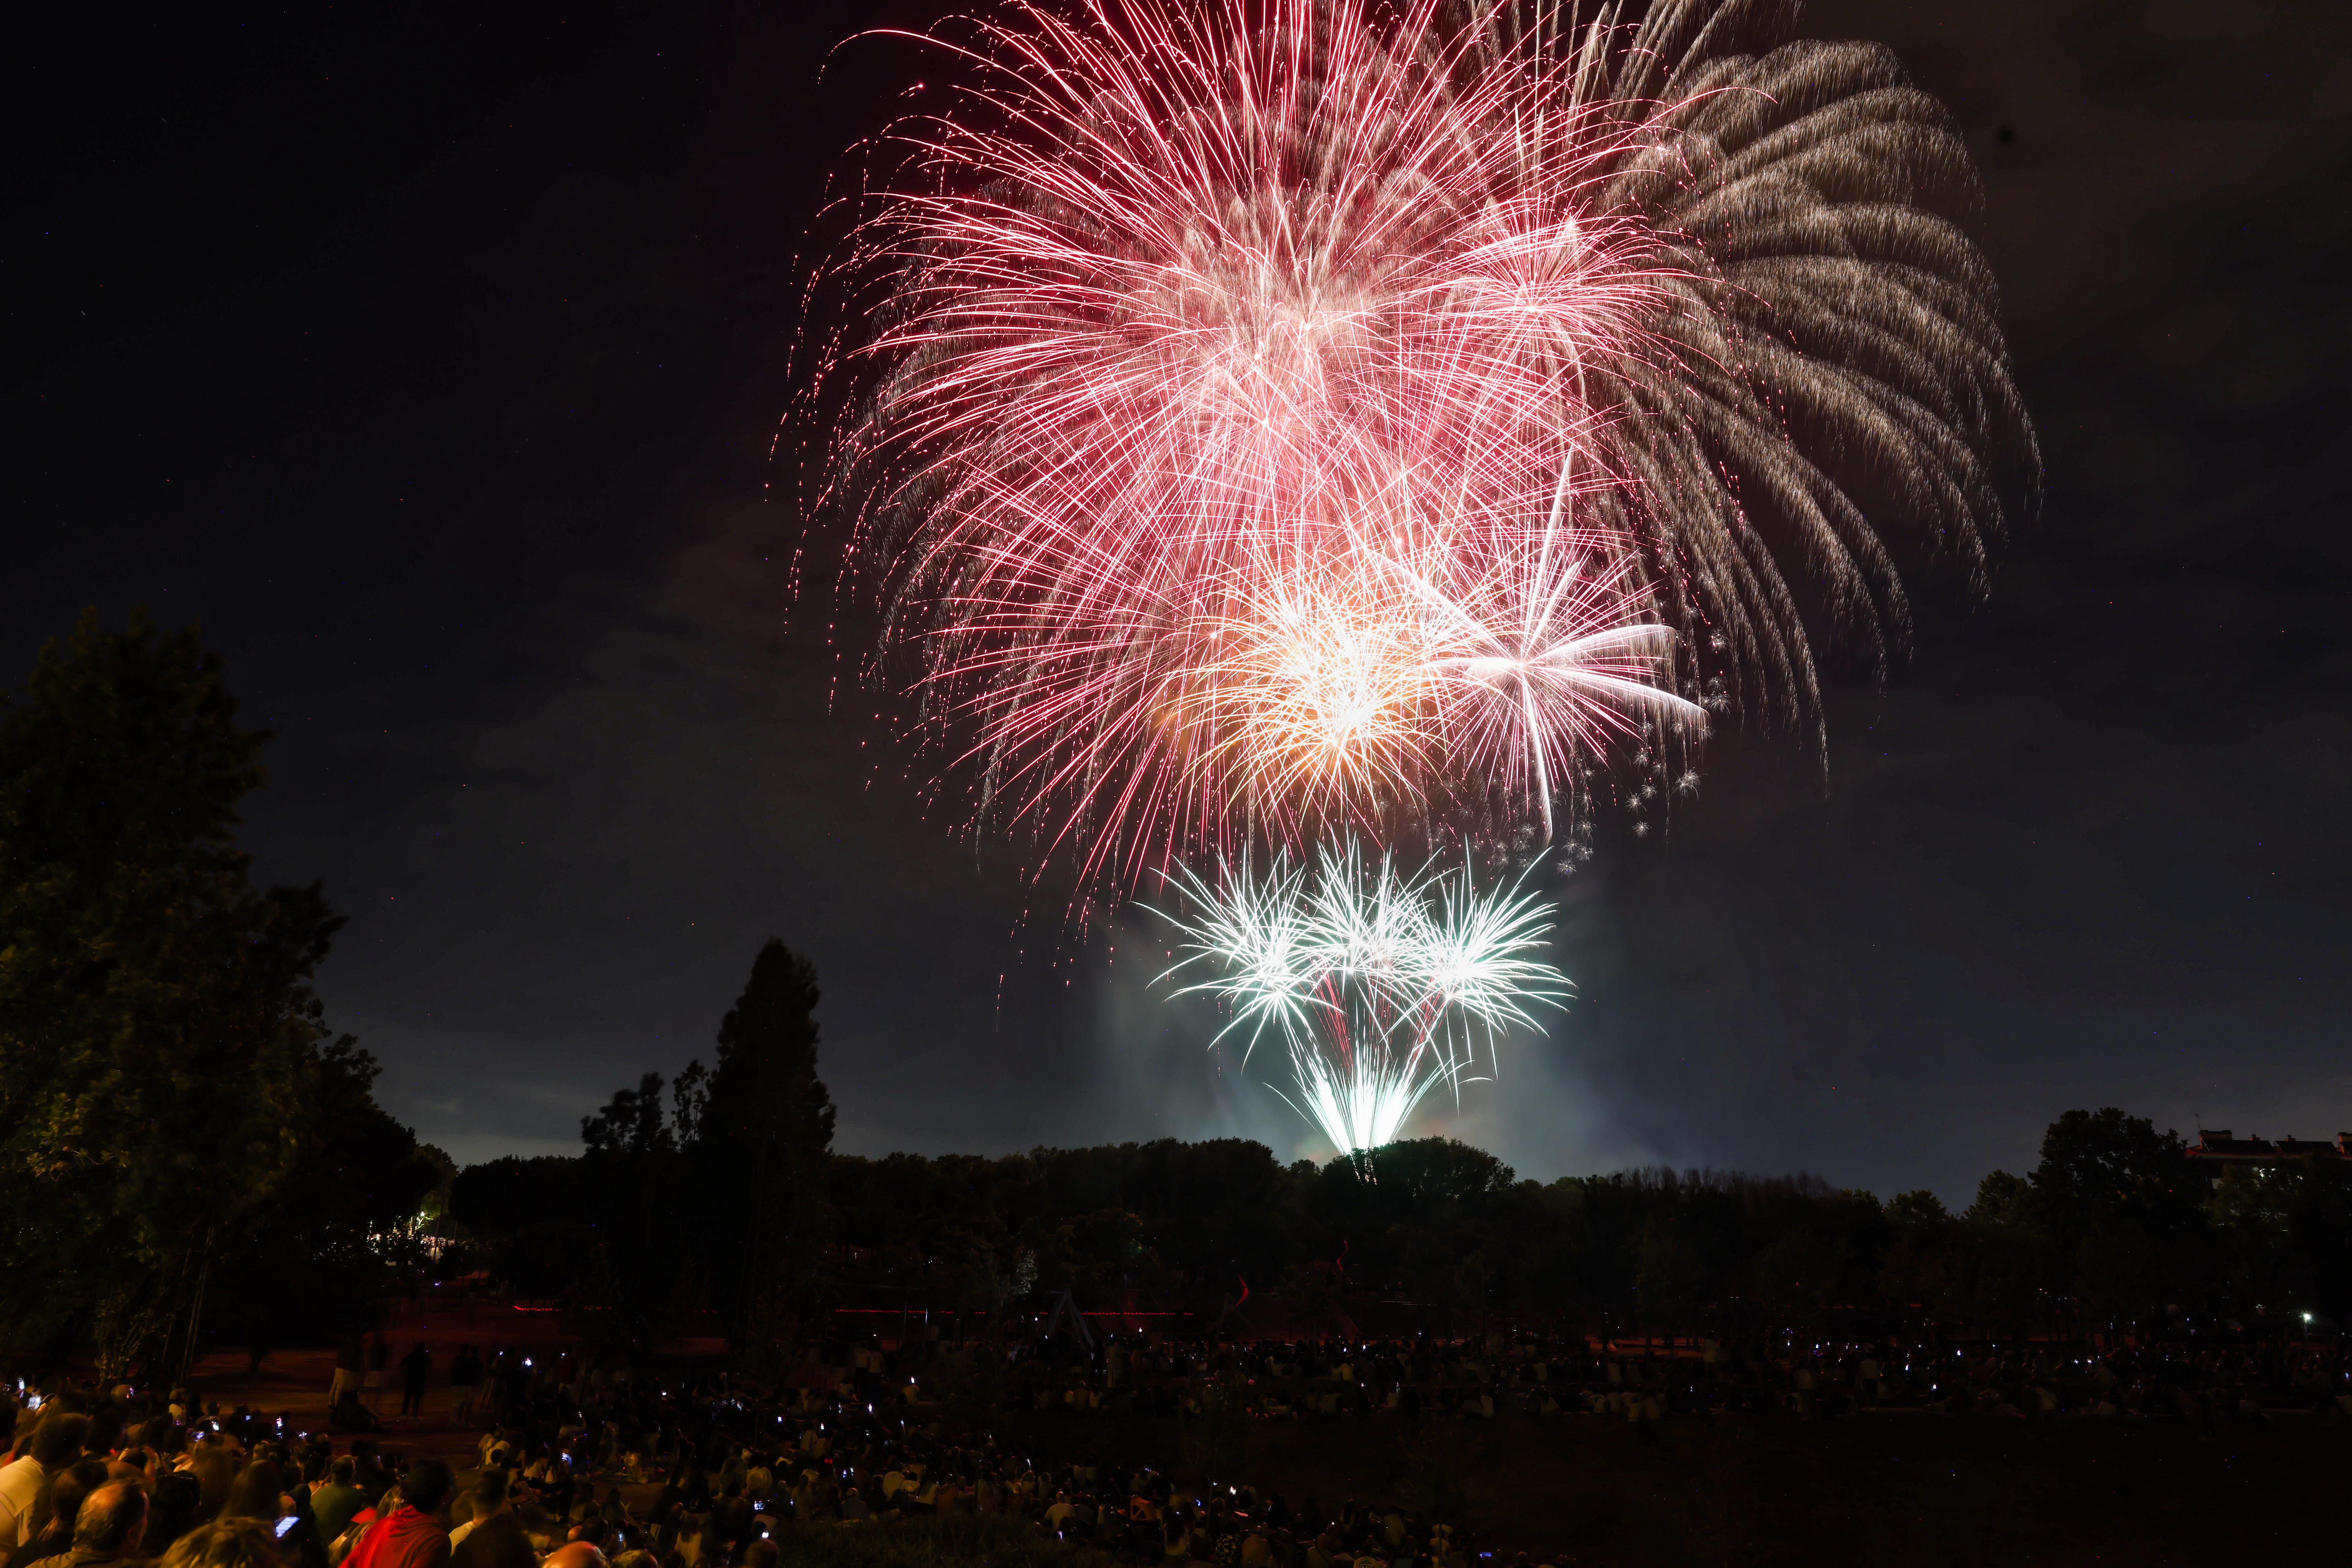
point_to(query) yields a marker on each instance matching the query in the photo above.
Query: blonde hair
(225, 1543)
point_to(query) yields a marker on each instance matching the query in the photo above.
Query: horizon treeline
(2116, 1227)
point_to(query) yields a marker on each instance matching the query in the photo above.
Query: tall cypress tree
(767, 1130)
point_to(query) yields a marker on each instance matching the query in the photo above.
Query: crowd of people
(597, 1467)
(96, 1480)
(1545, 1375)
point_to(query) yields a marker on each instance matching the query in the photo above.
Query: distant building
(2215, 1144)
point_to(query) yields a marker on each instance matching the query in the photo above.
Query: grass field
(1915, 1489)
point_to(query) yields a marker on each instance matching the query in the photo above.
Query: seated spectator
(496, 1537)
(215, 1472)
(56, 1443)
(113, 1523)
(255, 1494)
(55, 1510)
(172, 1512)
(225, 1544)
(409, 1536)
(335, 1504)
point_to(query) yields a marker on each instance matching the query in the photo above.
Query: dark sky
(430, 356)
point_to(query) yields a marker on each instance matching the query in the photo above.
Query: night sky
(430, 356)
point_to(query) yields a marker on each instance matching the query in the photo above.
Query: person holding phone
(300, 1542)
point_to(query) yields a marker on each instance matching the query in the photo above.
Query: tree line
(2116, 1227)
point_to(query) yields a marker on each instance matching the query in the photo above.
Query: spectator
(300, 1544)
(225, 1544)
(411, 1536)
(496, 1537)
(54, 1514)
(416, 1368)
(255, 1494)
(113, 1523)
(172, 1512)
(56, 1443)
(349, 1358)
(215, 1472)
(336, 1503)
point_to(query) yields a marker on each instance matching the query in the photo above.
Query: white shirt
(20, 1485)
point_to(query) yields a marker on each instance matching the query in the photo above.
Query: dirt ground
(294, 1383)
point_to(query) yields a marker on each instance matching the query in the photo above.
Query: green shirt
(333, 1506)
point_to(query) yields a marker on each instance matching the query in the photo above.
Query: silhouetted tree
(161, 1075)
(767, 1133)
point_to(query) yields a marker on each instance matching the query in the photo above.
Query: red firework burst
(1293, 411)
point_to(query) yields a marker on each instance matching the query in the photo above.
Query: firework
(1285, 413)
(1379, 987)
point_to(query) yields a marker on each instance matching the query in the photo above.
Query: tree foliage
(163, 1060)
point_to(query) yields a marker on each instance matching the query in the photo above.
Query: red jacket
(408, 1540)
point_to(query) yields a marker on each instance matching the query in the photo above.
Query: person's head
(571, 1555)
(54, 1513)
(225, 1543)
(60, 1440)
(106, 1426)
(255, 1492)
(342, 1471)
(113, 1520)
(489, 1493)
(173, 1511)
(426, 1485)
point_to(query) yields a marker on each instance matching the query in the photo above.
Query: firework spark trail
(1381, 988)
(1286, 409)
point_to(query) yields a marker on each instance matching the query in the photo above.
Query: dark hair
(225, 1544)
(60, 1440)
(174, 1514)
(255, 1492)
(110, 1517)
(342, 1471)
(492, 1490)
(426, 1485)
(106, 1428)
(62, 1494)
